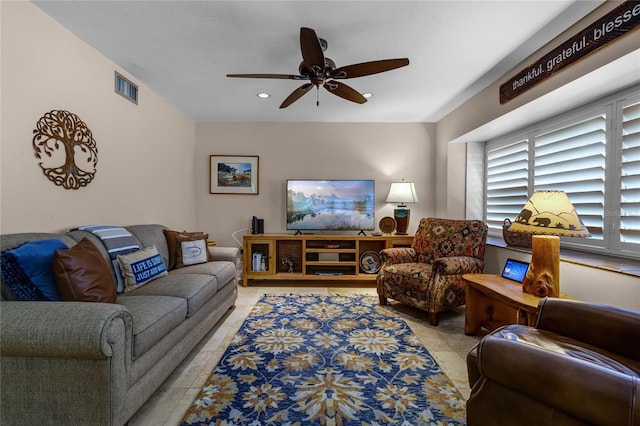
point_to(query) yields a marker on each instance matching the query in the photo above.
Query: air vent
(126, 88)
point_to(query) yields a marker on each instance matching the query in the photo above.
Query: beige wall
(145, 152)
(385, 152)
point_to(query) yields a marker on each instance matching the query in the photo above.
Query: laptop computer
(515, 270)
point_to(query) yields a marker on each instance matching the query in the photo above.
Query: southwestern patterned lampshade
(549, 213)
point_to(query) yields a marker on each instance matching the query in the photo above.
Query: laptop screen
(515, 270)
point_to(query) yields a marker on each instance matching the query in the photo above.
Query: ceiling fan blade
(368, 68)
(280, 76)
(311, 49)
(344, 91)
(296, 94)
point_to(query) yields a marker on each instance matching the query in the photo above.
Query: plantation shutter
(507, 181)
(630, 176)
(572, 159)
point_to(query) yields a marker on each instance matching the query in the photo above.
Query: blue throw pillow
(27, 271)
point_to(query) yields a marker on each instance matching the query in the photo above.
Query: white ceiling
(183, 50)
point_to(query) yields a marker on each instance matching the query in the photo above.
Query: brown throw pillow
(82, 274)
(172, 244)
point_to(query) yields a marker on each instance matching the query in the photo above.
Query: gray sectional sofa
(86, 363)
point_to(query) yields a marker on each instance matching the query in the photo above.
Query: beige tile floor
(447, 343)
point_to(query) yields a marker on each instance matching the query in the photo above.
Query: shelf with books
(310, 257)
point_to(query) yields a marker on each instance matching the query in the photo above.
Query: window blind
(507, 181)
(630, 176)
(573, 159)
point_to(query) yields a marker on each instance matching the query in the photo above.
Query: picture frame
(233, 174)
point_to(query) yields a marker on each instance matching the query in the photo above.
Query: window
(593, 154)
(126, 88)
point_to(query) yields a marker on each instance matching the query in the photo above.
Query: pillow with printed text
(140, 267)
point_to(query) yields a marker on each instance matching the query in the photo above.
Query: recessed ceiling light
(263, 95)
(367, 95)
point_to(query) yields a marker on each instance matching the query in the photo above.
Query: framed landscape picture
(233, 174)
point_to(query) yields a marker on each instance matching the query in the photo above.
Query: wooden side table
(493, 301)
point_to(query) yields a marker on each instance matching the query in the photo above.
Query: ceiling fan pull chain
(317, 96)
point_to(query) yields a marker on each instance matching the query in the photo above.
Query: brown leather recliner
(579, 365)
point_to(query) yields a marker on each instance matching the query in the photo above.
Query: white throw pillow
(191, 250)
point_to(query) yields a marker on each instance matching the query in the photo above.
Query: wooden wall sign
(67, 149)
(620, 21)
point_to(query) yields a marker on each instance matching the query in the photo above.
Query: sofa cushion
(151, 235)
(223, 271)
(26, 270)
(196, 289)
(82, 274)
(153, 317)
(140, 267)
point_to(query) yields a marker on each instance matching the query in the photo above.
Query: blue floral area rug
(326, 360)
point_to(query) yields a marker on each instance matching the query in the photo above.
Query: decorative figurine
(288, 261)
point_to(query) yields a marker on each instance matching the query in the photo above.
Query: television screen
(330, 205)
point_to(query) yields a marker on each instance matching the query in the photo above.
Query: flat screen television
(330, 205)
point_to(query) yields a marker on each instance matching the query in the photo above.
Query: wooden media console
(315, 256)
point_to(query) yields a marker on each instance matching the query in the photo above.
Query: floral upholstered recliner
(428, 275)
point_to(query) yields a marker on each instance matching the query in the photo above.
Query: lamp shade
(402, 193)
(549, 213)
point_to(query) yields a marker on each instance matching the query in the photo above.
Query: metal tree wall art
(67, 149)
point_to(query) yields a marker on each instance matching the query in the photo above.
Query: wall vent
(126, 88)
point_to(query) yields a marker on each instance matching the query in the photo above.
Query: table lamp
(547, 215)
(402, 193)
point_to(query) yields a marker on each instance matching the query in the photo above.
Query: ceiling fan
(322, 71)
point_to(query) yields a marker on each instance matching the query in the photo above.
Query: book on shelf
(258, 262)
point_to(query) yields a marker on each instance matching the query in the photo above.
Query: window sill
(618, 264)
